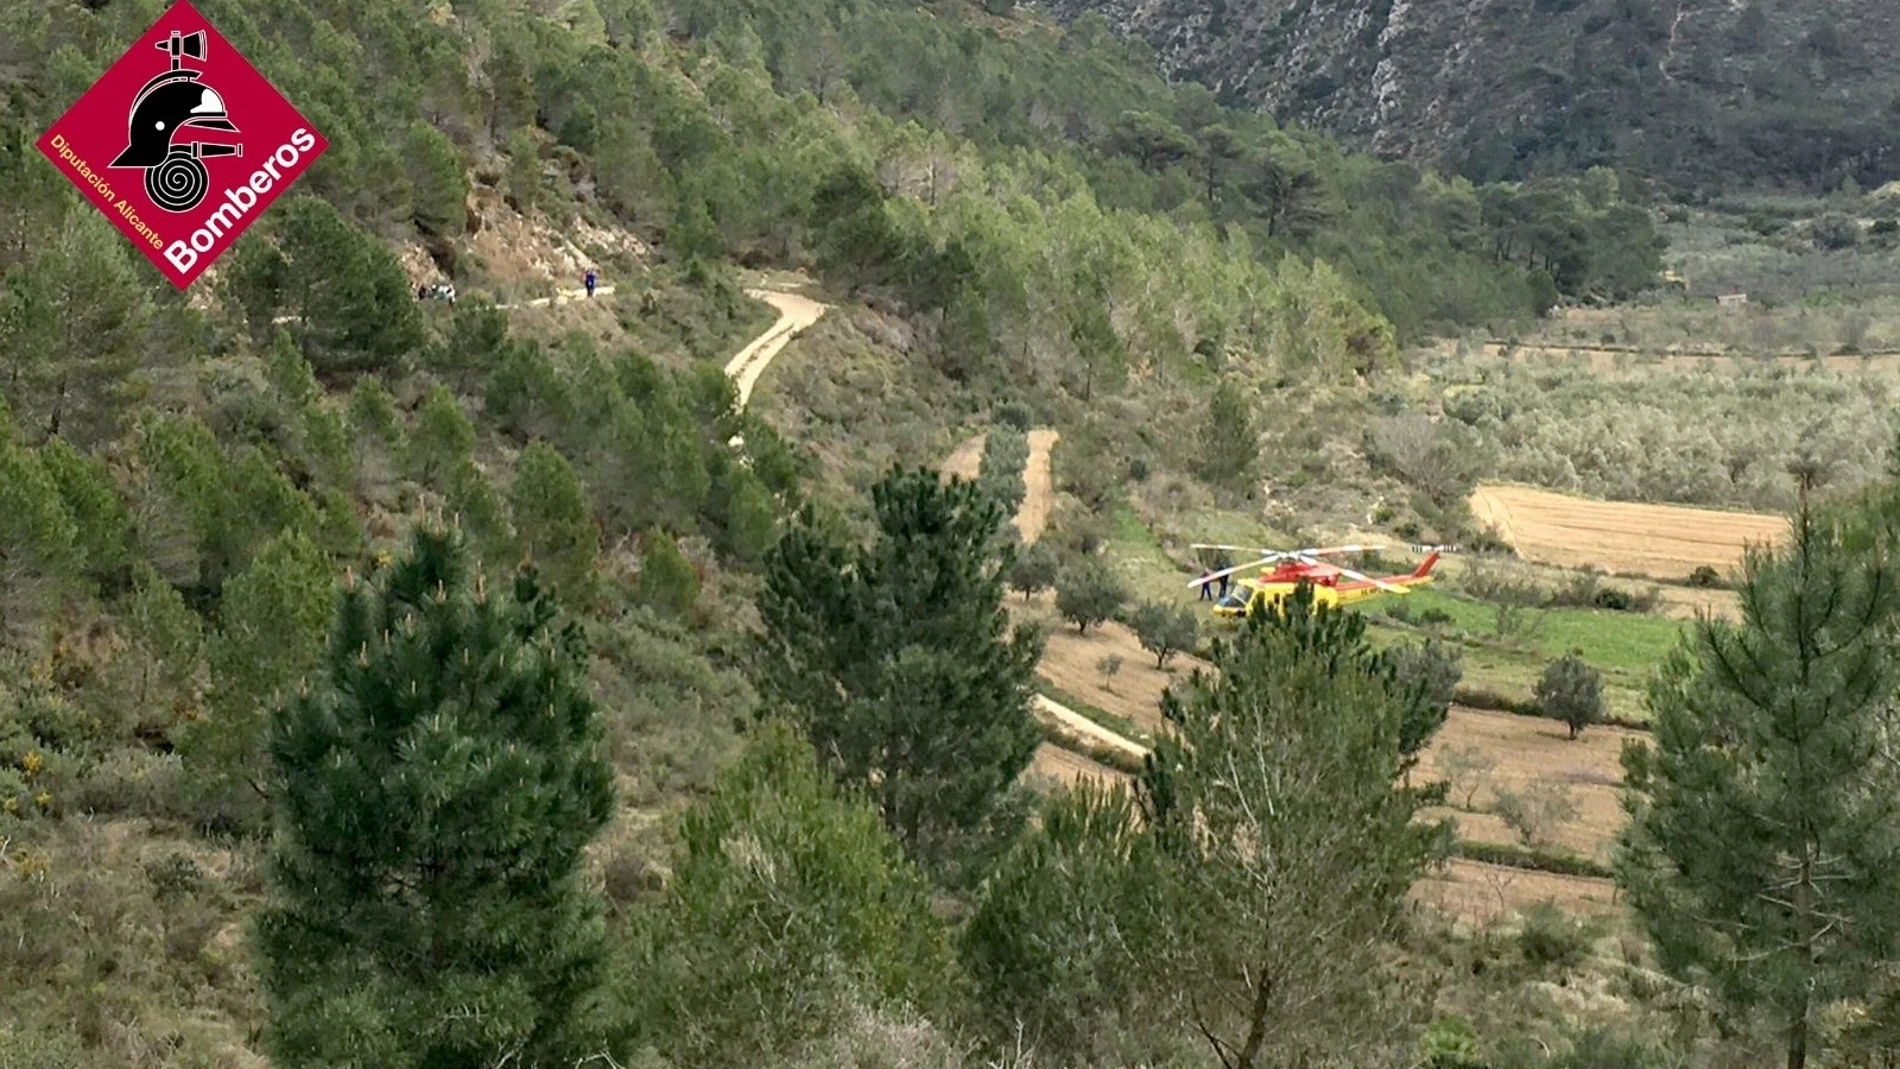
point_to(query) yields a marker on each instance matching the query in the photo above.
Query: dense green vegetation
(1709, 438)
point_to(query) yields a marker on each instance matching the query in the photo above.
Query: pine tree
(1427, 676)
(899, 660)
(1293, 844)
(789, 906)
(167, 643)
(256, 278)
(1763, 852)
(354, 308)
(289, 373)
(476, 343)
(1061, 943)
(438, 182)
(667, 581)
(1229, 442)
(435, 786)
(554, 524)
(272, 620)
(38, 559)
(1000, 473)
(751, 516)
(100, 516)
(72, 327)
(443, 441)
(225, 508)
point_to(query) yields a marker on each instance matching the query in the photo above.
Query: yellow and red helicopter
(1282, 572)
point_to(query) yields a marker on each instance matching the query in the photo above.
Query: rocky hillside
(1707, 92)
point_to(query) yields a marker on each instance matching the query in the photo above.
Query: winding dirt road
(795, 314)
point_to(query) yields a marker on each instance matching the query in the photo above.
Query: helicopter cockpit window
(1235, 600)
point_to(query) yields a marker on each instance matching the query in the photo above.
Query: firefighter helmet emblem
(175, 175)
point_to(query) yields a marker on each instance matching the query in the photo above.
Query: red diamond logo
(182, 144)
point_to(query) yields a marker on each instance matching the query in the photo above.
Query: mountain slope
(1709, 92)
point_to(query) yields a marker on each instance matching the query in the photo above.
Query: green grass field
(1625, 647)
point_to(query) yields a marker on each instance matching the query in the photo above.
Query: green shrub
(1571, 691)
(22, 1047)
(1833, 233)
(1450, 1043)
(1013, 414)
(1517, 857)
(1705, 577)
(1551, 937)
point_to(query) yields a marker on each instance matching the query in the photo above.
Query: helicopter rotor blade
(1364, 578)
(1215, 577)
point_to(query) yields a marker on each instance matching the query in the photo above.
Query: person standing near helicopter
(592, 280)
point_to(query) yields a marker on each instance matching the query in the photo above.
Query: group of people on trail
(445, 291)
(1208, 584)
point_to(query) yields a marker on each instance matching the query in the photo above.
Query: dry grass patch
(1482, 894)
(1529, 752)
(1068, 768)
(1661, 541)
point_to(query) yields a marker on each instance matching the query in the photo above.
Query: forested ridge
(385, 682)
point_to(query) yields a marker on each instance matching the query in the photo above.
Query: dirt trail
(1073, 723)
(967, 461)
(1660, 541)
(561, 297)
(795, 313)
(1032, 519)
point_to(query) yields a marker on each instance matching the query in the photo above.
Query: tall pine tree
(1763, 854)
(1292, 842)
(554, 522)
(899, 661)
(272, 618)
(434, 791)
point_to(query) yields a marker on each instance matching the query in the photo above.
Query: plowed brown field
(1530, 751)
(1659, 541)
